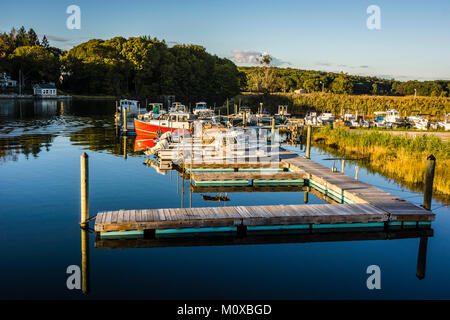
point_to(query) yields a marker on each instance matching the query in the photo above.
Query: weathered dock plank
(234, 216)
(358, 191)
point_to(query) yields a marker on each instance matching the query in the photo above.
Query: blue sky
(413, 42)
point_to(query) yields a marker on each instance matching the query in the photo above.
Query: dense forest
(288, 80)
(138, 67)
(145, 67)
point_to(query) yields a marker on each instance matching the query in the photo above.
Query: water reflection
(149, 240)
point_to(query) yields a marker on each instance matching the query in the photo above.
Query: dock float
(214, 217)
(350, 202)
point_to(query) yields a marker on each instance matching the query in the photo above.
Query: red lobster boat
(178, 121)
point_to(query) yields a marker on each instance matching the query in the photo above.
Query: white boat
(311, 118)
(445, 124)
(132, 107)
(282, 113)
(202, 111)
(326, 118)
(419, 122)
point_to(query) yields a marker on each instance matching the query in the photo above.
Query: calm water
(40, 147)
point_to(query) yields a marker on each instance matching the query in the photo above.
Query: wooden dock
(352, 201)
(357, 191)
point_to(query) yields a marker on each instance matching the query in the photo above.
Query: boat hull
(157, 127)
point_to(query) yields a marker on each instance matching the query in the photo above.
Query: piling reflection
(85, 264)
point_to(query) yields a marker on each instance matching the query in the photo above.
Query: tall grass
(398, 157)
(300, 103)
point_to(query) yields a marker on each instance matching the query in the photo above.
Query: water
(40, 147)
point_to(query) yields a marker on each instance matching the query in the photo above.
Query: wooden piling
(273, 127)
(308, 143)
(84, 174)
(429, 178)
(343, 165)
(243, 120)
(356, 172)
(124, 121)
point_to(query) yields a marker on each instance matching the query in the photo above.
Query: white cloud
(249, 57)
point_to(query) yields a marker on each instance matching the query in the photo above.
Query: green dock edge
(136, 234)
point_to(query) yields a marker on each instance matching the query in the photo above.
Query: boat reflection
(143, 143)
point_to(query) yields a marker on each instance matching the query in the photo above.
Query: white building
(6, 81)
(44, 90)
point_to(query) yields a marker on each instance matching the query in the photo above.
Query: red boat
(178, 121)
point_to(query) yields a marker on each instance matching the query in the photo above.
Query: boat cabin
(132, 106)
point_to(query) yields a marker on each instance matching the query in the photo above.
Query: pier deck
(354, 202)
(357, 191)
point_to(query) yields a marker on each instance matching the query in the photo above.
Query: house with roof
(44, 90)
(6, 81)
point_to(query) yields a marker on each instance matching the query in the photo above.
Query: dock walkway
(357, 191)
(361, 203)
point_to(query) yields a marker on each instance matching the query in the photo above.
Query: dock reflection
(276, 237)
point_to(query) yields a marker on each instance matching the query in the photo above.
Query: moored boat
(176, 121)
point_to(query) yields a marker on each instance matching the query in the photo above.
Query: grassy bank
(395, 156)
(300, 103)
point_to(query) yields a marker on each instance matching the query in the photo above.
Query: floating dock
(354, 203)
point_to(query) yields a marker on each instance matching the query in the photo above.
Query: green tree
(342, 84)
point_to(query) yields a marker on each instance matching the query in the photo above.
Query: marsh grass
(398, 157)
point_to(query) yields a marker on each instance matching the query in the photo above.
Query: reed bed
(398, 157)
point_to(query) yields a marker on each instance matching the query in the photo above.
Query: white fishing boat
(419, 121)
(282, 113)
(326, 117)
(202, 111)
(311, 118)
(445, 124)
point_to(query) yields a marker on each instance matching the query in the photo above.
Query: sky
(413, 41)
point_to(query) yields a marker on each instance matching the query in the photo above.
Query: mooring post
(308, 143)
(356, 172)
(429, 178)
(85, 260)
(273, 130)
(243, 120)
(125, 147)
(422, 258)
(84, 165)
(343, 165)
(124, 121)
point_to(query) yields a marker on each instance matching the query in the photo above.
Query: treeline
(146, 67)
(299, 104)
(137, 67)
(288, 80)
(21, 50)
